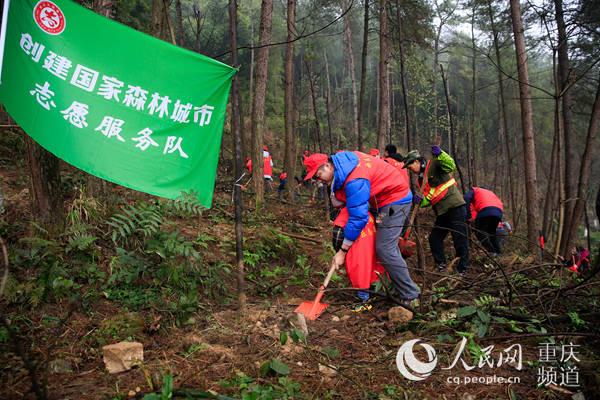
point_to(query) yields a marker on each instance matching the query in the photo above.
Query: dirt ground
(345, 355)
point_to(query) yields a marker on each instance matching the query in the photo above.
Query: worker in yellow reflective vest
(439, 189)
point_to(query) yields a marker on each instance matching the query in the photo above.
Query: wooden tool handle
(411, 221)
(329, 275)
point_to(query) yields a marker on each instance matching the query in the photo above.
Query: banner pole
(3, 34)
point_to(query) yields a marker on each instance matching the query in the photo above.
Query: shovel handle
(411, 220)
(329, 275)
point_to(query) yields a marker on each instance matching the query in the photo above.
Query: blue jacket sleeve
(469, 197)
(358, 192)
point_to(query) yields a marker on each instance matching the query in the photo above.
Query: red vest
(400, 167)
(267, 168)
(395, 163)
(437, 193)
(483, 198)
(388, 185)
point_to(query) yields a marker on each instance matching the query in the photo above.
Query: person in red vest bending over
(439, 189)
(579, 261)
(362, 181)
(485, 213)
(267, 168)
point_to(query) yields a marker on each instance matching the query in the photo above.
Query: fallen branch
(300, 237)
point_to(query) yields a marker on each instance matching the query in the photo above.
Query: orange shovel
(312, 309)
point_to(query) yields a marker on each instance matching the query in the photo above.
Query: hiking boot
(361, 307)
(411, 304)
(443, 267)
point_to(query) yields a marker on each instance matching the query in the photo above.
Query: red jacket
(483, 198)
(400, 167)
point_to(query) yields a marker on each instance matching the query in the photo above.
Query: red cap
(374, 152)
(265, 148)
(312, 164)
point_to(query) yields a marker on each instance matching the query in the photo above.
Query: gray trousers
(392, 219)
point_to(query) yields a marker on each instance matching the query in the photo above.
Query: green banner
(113, 101)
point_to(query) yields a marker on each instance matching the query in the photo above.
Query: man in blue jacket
(361, 182)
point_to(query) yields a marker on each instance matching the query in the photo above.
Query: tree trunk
(452, 134)
(415, 121)
(550, 188)
(384, 84)
(504, 118)
(46, 196)
(258, 109)
(351, 69)
(239, 166)
(251, 86)
(328, 102)
(313, 95)
(289, 160)
(569, 137)
(561, 170)
(584, 173)
(179, 22)
(436, 53)
(390, 92)
(161, 21)
(529, 159)
(471, 131)
(403, 79)
(363, 78)
(598, 205)
(198, 19)
(159, 27)
(104, 7)
(170, 32)
(554, 181)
